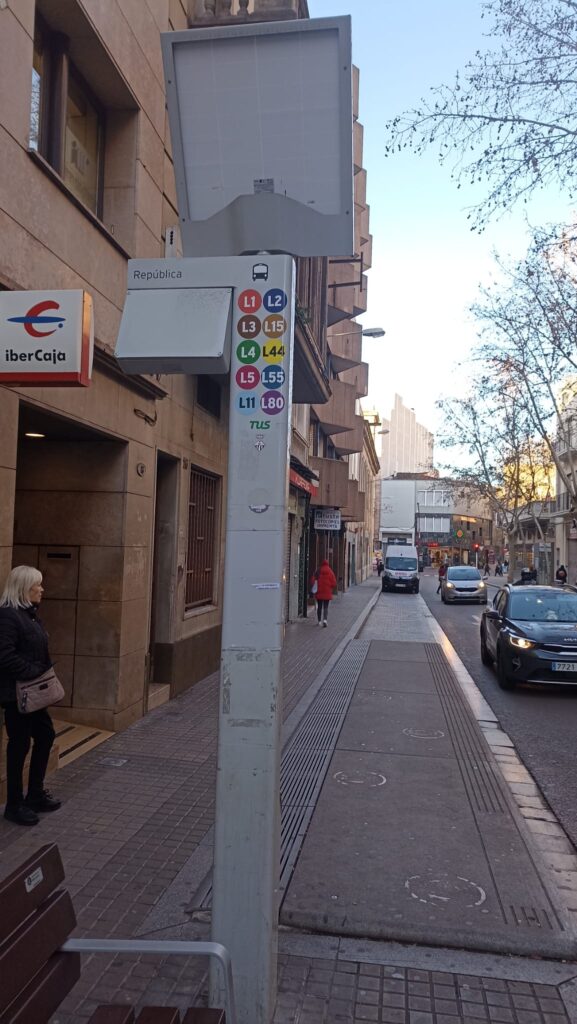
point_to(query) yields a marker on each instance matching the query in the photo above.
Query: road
(541, 721)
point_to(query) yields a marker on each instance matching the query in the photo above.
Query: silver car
(463, 583)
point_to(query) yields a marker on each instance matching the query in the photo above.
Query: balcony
(333, 482)
(354, 510)
(351, 441)
(360, 191)
(565, 446)
(367, 253)
(357, 147)
(359, 377)
(347, 289)
(362, 231)
(346, 348)
(343, 278)
(338, 414)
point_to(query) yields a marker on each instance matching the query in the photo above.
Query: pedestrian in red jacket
(326, 583)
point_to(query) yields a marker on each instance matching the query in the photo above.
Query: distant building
(407, 446)
(448, 521)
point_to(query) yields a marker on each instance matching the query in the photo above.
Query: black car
(530, 634)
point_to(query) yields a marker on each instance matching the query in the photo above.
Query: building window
(208, 395)
(203, 523)
(66, 121)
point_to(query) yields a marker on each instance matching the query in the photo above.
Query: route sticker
(273, 376)
(247, 377)
(248, 326)
(274, 326)
(274, 300)
(272, 402)
(248, 352)
(250, 300)
(273, 351)
(246, 404)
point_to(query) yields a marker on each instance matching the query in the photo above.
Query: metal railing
(168, 948)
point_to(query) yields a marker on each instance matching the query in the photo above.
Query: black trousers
(21, 730)
(322, 609)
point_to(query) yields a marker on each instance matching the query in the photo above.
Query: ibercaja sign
(46, 338)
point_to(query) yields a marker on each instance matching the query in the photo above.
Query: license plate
(564, 666)
(400, 584)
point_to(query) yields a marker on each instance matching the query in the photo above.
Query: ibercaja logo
(46, 337)
(33, 321)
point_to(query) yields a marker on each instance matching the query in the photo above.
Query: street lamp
(367, 332)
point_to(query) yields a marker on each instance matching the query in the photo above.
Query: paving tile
(392, 1015)
(416, 1017)
(500, 998)
(501, 1014)
(397, 999)
(369, 981)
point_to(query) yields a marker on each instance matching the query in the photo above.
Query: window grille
(202, 537)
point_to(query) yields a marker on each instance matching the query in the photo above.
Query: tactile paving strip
(306, 758)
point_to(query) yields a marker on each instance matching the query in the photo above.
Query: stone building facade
(119, 498)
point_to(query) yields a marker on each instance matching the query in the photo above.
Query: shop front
(302, 486)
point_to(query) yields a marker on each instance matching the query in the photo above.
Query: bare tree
(498, 458)
(529, 346)
(510, 118)
(521, 420)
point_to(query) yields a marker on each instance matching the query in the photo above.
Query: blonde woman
(24, 655)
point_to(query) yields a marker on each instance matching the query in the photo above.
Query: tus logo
(36, 317)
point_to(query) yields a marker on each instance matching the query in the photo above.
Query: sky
(427, 263)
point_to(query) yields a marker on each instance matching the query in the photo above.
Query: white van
(401, 569)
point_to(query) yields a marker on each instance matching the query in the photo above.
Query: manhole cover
(360, 778)
(441, 890)
(112, 762)
(424, 734)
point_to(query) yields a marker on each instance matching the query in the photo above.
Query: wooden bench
(40, 964)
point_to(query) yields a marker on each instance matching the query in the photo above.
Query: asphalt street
(541, 721)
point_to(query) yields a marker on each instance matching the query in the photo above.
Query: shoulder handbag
(41, 692)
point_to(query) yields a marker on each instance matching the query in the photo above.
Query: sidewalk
(416, 836)
(135, 836)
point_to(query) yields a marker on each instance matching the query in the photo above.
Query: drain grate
(306, 758)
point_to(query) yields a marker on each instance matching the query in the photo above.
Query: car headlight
(450, 586)
(481, 585)
(522, 642)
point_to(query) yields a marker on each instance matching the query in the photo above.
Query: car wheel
(486, 656)
(443, 598)
(504, 681)
(416, 589)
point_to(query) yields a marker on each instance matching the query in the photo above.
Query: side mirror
(492, 613)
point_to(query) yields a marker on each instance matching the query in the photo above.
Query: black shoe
(44, 802)
(21, 815)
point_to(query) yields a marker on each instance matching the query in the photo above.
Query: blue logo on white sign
(273, 376)
(274, 300)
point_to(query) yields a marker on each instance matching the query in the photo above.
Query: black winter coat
(23, 649)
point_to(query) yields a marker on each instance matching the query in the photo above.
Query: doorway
(163, 568)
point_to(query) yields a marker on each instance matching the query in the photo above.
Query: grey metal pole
(247, 827)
